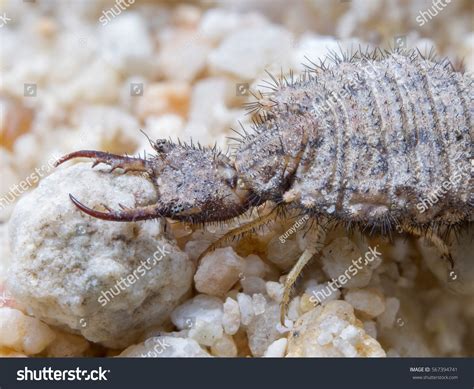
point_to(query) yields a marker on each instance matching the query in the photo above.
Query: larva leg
(435, 240)
(291, 279)
(238, 232)
(115, 161)
(316, 245)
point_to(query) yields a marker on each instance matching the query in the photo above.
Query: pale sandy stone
(331, 330)
(67, 345)
(370, 328)
(126, 44)
(97, 83)
(170, 97)
(337, 259)
(186, 16)
(194, 248)
(10, 178)
(217, 23)
(284, 255)
(275, 290)
(369, 301)
(259, 303)
(323, 293)
(166, 347)
(246, 308)
(183, 54)
(254, 266)
(104, 128)
(209, 116)
(23, 333)
(206, 333)
(247, 52)
(66, 265)
(277, 349)
(231, 316)
(224, 347)
(202, 315)
(9, 353)
(388, 316)
(262, 330)
(166, 126)
(252, 285)
(5, 257)
(218, 272)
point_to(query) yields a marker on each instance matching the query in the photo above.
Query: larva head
(197, 184)
(192, 184)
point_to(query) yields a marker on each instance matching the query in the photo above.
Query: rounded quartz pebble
(331, 330)
(277, 349)
(218, 272)
(231, 316)
(107, 281)
(369, 301)
(224, 347)
(165, 347)
(202, 316)
(283, 254)
(340, 257)
(23, 333)
(262, 329)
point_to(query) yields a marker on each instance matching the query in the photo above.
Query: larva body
(374, 142)
(379, 142)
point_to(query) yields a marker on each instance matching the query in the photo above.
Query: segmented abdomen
(389, 139)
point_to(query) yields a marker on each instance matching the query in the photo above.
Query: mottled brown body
(372, 142)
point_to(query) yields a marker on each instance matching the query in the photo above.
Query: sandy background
(91, 74)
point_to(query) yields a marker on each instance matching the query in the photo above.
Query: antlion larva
(376, 141)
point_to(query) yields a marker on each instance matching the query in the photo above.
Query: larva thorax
(368, 141)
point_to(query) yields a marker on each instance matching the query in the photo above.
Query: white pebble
(387, 318)
(340, 261)
(166, 347)
(259, 303)
(206, 333)
(247, 52)
(23, 333)
(277, 349)
(110, 272)
(127, 45)
(366, 300)
(231, 316)
(224, 347)
(275, 290)
(252, 285)
(370, 328)
(246, 308)
(350, 334)
(324, 338)
(218, 272)
(203, 307)
(254, 266)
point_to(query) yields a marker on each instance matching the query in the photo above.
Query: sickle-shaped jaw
(123, 215)
(128, 164)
